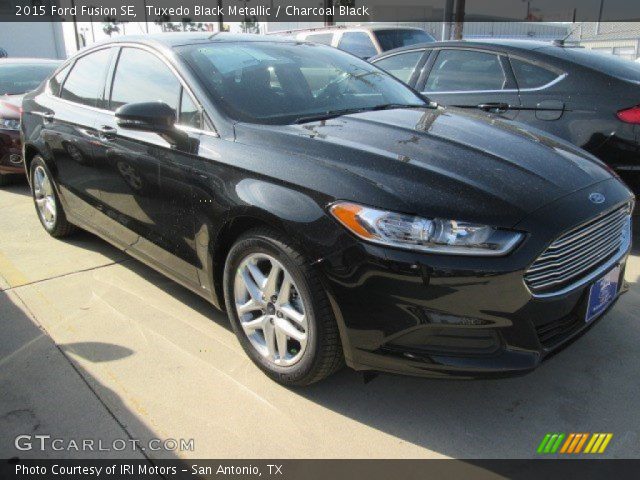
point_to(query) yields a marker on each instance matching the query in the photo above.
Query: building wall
(36, 39)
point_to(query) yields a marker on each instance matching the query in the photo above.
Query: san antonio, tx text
(146, 469)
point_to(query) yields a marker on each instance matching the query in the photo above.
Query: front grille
(579, 252)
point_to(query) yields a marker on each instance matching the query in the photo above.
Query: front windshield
(18, 78)
(282, 83)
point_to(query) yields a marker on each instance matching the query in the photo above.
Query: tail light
(630, 115)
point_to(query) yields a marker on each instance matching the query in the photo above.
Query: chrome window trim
(508, 90)
(413, 50)
(183, 83)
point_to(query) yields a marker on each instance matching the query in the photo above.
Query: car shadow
(45, 390)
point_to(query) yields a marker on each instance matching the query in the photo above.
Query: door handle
(494, 107)
(48, 116)
(107, 132)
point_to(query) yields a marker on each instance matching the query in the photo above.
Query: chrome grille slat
(577, 253)
(553, 252)
(549, 262)
(580, 265)
(590, 227)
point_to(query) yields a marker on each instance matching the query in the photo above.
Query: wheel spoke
(290, 331)
(40, 201)
(250, 306)
(269, 339)
(253, 325)
(257, 275)
(285, 290)
(270, 286)
(250, 285)
(292, 314)
(281, 341)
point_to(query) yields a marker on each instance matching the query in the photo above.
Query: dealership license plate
(602, 294)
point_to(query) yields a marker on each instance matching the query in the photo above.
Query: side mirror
(151, 116)
(157, 117)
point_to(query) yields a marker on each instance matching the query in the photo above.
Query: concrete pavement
(96, 344)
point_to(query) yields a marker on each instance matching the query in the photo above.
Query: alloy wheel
(270, 309)
(44, 197)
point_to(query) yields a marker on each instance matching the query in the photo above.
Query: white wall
(34, 39)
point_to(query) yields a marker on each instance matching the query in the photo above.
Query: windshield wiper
(338, 113)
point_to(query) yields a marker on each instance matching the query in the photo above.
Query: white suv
(362, 41)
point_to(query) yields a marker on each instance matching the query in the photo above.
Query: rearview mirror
(157, 117)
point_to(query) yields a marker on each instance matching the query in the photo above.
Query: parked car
(17, 76)
(335, 214)
(589, 99)
(362, 41)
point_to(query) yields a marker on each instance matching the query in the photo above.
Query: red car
(17, 77)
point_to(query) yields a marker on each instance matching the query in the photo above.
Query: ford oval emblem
(596, 197)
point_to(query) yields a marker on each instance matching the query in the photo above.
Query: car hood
(10, 106)
(439, 162)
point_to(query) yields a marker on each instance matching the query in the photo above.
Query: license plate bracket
(602, 294)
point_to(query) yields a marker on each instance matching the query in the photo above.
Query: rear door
(471, 78)
(540, 102)
(69, 115)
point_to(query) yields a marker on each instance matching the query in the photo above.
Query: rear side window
(529, 75)
(466, 70)
(324, 38)
(85, 83)
(357, 43)
(402, 65)
(142, 77)
(56, 81)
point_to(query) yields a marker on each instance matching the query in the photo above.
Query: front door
(147, 189)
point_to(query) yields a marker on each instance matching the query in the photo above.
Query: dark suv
(587, 98)
(335, 214)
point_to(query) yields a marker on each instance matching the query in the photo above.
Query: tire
(42, 192)
(304, 362)
(5, 180)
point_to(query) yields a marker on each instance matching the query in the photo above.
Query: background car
(17, 76)
(590, 99)
(362, 41)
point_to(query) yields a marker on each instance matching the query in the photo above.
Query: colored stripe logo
(574, 443)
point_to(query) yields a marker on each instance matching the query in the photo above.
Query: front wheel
(279, 310)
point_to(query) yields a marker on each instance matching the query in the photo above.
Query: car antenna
(560, 42)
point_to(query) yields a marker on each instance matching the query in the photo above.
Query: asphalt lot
(96, 345)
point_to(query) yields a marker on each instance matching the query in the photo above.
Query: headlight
(428, 235)
(9, 124)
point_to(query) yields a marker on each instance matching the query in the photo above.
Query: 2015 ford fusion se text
(336, 214)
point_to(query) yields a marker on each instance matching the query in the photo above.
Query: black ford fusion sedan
(336, 214)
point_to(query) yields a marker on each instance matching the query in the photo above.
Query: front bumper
(450, 316)
(11, 161)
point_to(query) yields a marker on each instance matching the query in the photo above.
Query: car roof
(341, 28)
(30, 61)
(502, 44)
(173, 39)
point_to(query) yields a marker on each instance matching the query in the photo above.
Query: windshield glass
(395, 38)
(18, 78)
(281, 83)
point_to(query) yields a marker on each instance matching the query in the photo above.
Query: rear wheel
(47, 203)
(279, 310)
